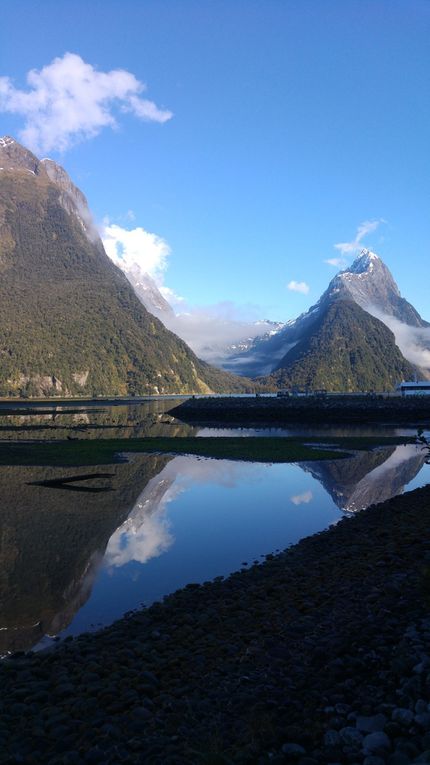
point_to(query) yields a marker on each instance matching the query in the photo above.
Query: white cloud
(302, 499)
(68, 101)
(136, 248)
(139, 540)
(350, 248)
(338, 262)
(298, 287)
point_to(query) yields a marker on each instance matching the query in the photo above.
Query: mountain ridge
(341, 351)
(369, 285)
(70, 322)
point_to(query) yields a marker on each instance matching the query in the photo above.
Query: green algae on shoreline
(75, 452)
(104, 451)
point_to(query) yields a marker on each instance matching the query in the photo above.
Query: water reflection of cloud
(302, 499)
(147, 531)
(139, 541)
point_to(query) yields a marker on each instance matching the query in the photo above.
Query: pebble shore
(319, 655)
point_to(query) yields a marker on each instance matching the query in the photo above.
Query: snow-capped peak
(368, 282)
(365, 261)
(6, 140)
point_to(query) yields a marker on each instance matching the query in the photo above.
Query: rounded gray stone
(376, 742)
(423, 720)
(293, 751)
(332, 738)
(351, 736)
(402, 716)
(371, 724)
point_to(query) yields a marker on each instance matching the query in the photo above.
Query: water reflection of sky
(333, 431)
(202, 518)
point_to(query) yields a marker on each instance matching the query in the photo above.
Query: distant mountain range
(70, 322)
(221, 353)
(218, 352)
(360, 335)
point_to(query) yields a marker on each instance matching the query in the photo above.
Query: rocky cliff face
(70, 322)
(148, 293)
(71, 198)
(13, 156)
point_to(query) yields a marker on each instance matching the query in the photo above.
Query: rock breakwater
(325, 409)
(320, 654)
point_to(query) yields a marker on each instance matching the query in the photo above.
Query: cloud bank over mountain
(209, 330)
(414, 342)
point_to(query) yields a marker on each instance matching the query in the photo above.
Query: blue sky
(293, 123)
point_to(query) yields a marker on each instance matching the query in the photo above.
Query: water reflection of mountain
(368, 477)
(52, 541)
(128, 421)
(54, 532)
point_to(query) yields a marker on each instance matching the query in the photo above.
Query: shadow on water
(103, 542)
(72, 483)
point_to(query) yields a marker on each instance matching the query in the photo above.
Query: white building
(417, 388)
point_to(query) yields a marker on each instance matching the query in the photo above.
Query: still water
(151, 418)
(203, 518)
(77, 554)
